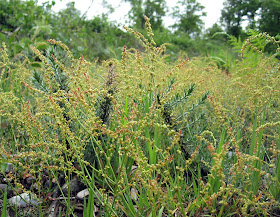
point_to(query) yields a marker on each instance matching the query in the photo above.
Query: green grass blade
(160, 212)
(256, 150)
(222, 141)
(5, 201)
(254, 137)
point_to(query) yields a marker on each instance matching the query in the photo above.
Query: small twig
(84, 14)
(64, 198)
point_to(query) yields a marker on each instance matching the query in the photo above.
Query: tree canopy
(263, 15)
(189, 15)
(154, 9)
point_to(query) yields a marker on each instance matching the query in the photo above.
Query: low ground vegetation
(146, 137)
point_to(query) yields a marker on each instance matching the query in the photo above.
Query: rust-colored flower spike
(59, 43)
(144, 42)
(210, 147)
(82, 58)
(4, 53)
(262, 35)
(124, 52)
(149, 30)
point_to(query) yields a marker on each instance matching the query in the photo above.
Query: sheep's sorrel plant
(113, 127)
(144, 136)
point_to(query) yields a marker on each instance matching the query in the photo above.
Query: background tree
(251, 8)
(232, 16)
(209, 33)
(270, 17)
(154, 9)
(263, 15)
(188, 14)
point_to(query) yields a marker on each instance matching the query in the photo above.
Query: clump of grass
(196, 152)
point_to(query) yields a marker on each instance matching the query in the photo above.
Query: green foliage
(154, 9)
(188, 14)
(20, 19)
(262, 15)
(94, 38)
(269, 17)
(98, 37)
(23, 23)
(234, 12)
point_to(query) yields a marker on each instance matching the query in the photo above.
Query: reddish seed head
(210, 147)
